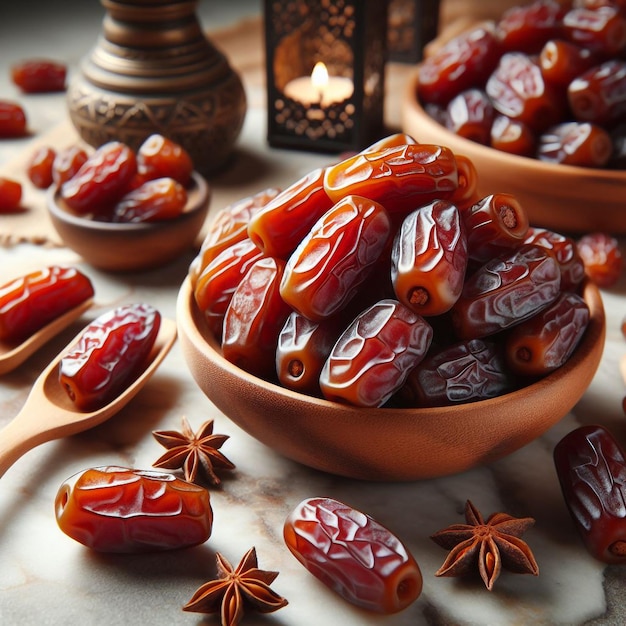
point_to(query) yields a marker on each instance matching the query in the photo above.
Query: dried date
(39, 75)
(465, 371)
(429, 259)
(375, 354)
(330, 263)
(546, 341)
(12, 120)
(109, 354)
(575, 143)
(353, 554)
(121, 510)
(10, 194)
(590, 466)
(505, 291)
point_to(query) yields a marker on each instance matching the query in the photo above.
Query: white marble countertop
(47, 578)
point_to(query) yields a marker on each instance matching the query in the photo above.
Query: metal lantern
(325, 64)
(412, 24)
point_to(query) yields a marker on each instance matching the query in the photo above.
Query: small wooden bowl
(563, 198)
(386, 444)
(131, 247)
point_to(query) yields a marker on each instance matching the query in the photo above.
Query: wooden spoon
(48, 412)
(12, 355)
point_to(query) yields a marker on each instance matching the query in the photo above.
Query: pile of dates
(115, 183)
(384, 280)
(546, 80)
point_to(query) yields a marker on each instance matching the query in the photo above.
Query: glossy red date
(353, 554)
(429, 259)
(254, 318)
(39, 75)
(31, 301)
(334, 259)
(590, 465)
(284, 221)
(401, 178)
(109, 354)
(374, 355)
(121, 510)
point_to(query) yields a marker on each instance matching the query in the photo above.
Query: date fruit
(31, 301)
(109, 354)
(590, 465)
(10, 194)
(120, 510)
(335, 257)
(12, 120)
(353, 554)
(39, 75)
(374, 355)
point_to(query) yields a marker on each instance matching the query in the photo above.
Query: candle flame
(319, 76)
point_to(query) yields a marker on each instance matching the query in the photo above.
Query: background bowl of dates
(132, 246)
(535, 98)
(565, 198)
(387, 443)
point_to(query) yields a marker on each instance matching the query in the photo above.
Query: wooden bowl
(131, 247)
(386, 444)
(564, 198)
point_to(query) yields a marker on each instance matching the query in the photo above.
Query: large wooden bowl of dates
(124, 210)
(537, 100)
(378, 321)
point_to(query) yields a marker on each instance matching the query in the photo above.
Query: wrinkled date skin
(336, 256)
(154, 200)
(518, 90)
(101, 180)
(109, 354)
(285, 220)
(576, 143)
(354, 555)
(303, 347)
(254, 319)
(401, 178)
(429, 259)
(493, 224)
(566, 253)
(30, 302)
(159, 157)
(467, 371)
(505, 291)
(544, 342)
(216, 284)
(591, 467)
(39, 75)
(229, 226)
(121, 510)
(374, 355)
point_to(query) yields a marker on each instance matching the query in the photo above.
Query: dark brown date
(512, 136)
(429, 259)
(546, 341)
(591, 466)
(602, 29)
(466, 371)
(566, 253)
(375, 354)
(505, 291)
(470, 115)
(494, 224)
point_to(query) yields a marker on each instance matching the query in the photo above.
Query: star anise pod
(235, 588)
(191, 451)
(490, 545)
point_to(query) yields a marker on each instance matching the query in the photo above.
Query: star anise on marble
(233, 589)
(193, 451)
(489, 545)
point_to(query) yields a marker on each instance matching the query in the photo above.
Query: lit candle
(319, 88)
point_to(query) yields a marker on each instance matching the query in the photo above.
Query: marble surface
(47, 578)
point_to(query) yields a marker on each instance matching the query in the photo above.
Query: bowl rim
(198, 196)
(611, 176)
(593, 339)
